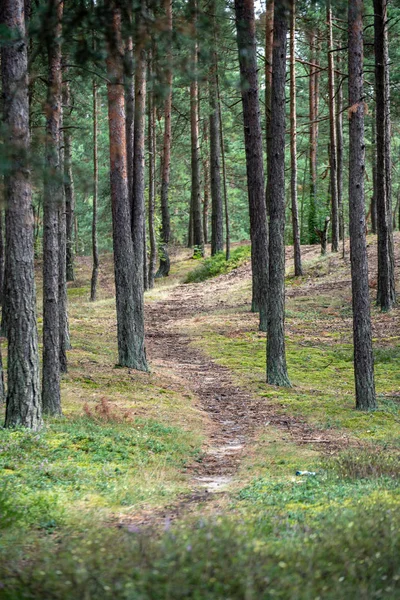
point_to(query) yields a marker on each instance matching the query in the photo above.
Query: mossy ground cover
(126, 436)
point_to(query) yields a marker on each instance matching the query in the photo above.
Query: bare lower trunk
(68, 188)
(386, 297)
(313, 117)
(363, 357)
(276, 354)
(332, 127)
(206, 179)
(53, 201)
(62, 269)
(226, 205)
(339, 139)
(269, 44)
(198, 238)
(23, 407)
(95, 252)
(298, 270)
(152, 181)
(128, 261)
(246, 40)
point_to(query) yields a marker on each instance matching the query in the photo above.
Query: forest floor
(184, 479)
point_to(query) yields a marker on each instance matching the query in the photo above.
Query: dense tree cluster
(131, 126)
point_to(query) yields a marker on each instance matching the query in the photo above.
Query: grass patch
(217, 265)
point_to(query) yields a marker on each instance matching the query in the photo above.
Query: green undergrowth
(321, 374)
(91, 462)
(217, 265)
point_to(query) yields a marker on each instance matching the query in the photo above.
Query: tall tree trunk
(23, 407)
(95, 251)
(128, 259)
(332, 128)
(129, 107)
(62, 253)
(339, 139)
(298, 270)
(313, 116)
(217, 228)
(198, 238)
(68, 186)
(374, 216)
(246, 40)
(152, 116)
(363, 357)
(163, 270)
(53, 200)
(206, 178)
(386, 298)
(2, 254)
(269, 44)
(276, 356)
(226, 205)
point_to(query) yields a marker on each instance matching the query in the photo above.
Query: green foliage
(97, 460)
(217, 265)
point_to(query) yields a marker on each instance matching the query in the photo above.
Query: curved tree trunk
(363, 357)
(276, 356)
(53, 200)
(246, 40)
(23, 407)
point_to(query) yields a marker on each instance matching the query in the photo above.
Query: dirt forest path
(233, 413)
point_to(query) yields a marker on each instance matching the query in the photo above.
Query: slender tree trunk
(23, 407)
(163, 270)
(2, 253)
(226, 205)
(386, 297)
(276, 356)
(62, 252)
(152, 110)
(298, 270)
(269, 44)
(363, 357)
(128, 259)
(129, 108)
(313, 116)
(206, 177)
(339, 138)
(198, 237)
(246, 40)
(332, 127)
(95, 252)
(217, 228)
(53, 200)
(68, 187)
(374, 182)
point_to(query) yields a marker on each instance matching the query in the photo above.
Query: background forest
(199, 257)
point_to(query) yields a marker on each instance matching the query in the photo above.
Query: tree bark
(363, 357)
(246, 40)
(128, 261)
(62, 253)
(339, 138)
(23, 408)
(69, 187)
(152, 109)
(206, 178)
(163, 270)
(217, 228)
(332, 129)
(53, 200)
(298, 270)
(269, 44)
(226, 204)
(386, 297)
(130, 108)
(198, 237)
(2, 253)
(276, 355)
(313, 117)
(95, 252)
